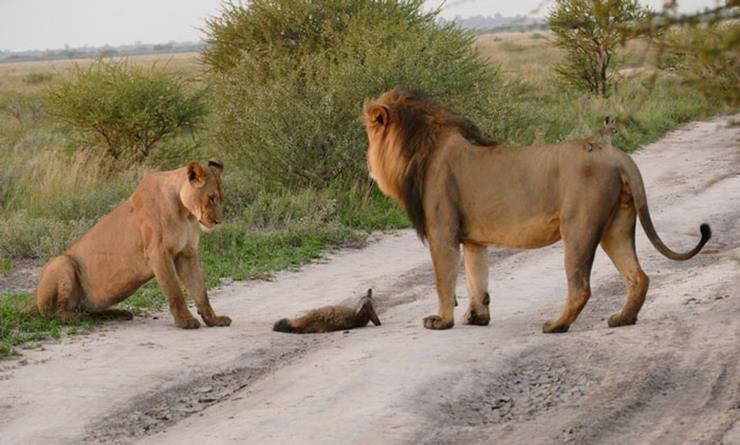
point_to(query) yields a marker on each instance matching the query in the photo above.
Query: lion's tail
(284, 325)
(634, 179)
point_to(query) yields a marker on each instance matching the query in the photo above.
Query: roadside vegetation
(289, 130)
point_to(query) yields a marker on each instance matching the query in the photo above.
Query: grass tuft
(21, 323)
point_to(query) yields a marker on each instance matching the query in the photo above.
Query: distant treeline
(87, 52)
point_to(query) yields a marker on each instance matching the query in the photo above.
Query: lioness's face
(203, 194)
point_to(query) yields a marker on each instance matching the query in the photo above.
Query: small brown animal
(331, 318)
(154, 233)
(606, 133)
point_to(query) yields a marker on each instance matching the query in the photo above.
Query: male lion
(153, 233)
(458, 187)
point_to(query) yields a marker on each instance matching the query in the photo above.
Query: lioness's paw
(187, 323)
(219, 320)
(551, 327)
(473, 317)
(436, 322)
(617, 320)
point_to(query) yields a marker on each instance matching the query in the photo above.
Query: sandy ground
(672, 378)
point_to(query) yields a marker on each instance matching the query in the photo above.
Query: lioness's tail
(634, 178)
(284, 325)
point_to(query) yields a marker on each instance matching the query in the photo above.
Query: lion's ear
(196, 175)
(378, 115)
(216, 163)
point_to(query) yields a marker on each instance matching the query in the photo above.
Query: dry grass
(18, 76)
(527, 55)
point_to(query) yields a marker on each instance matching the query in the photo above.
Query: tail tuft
(283, 325)
(706, 233)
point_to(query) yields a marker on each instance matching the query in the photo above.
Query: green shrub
(290, 77)
(126, 109)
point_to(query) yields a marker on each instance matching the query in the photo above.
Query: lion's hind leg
(619, 243)
(58, 292)
(578, 262)
(580, 242)
(585, 214)
(476, 278)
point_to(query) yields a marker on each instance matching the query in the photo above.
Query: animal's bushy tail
(284, 325)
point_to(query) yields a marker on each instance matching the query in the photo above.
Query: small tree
(126, 109)
(589, 31)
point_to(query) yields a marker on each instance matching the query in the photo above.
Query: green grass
(20, 323)
(6, 265)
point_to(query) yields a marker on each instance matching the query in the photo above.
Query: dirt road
(672, 378)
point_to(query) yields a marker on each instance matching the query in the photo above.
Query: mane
(418, 122)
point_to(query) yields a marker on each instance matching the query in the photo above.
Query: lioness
(459, 187)
(153, 233)
(331, 318)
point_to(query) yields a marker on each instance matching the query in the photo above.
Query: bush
(126, 109)
(290, 77)
(590, 31)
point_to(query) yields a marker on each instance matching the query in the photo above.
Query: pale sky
(52, 24)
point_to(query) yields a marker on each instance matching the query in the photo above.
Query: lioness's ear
(607, 121)
(216, 163)
(378, 115)
(196, 175)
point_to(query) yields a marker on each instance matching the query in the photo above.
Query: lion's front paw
(551, 327)
(187, 323)
(473, 317)
(436, 322)
(617, 320)
(219, 320)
